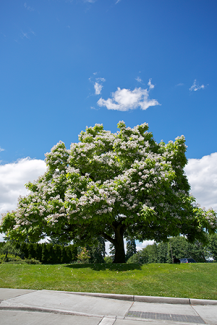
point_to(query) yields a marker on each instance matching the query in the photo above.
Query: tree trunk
(119, 245)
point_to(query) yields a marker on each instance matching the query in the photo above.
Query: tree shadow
(106, 266)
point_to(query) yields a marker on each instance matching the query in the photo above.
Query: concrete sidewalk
(18, 306)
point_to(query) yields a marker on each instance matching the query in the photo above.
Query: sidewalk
(29, 307)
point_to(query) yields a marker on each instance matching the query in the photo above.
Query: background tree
(149, 254)
(56, 241)
(111, 185)
(178, 247)
(212, 246)
(131, 248)
(197, 251)
(97, 251)
(162, 251)
(9, 248)
(108, 259)
(83, 255)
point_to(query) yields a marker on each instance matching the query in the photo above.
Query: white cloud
(202, 176)
(126, 99)
(117, 1)
(196, 87)
(138, 79)
(97, 84)
(179, 85)
(96, 109)
(28, 7)
(27, 34)
(141, 245)
(24, 35)
(1, 149)
(150, 84)
(13, 178)
(98, 88)
(101, 79)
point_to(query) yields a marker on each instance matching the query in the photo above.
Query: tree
(83, 256)
(212, 246)
(149, 254)
(111, 185)
(197, 251)
(9, 248)
(131, 248)
(177, 247)
(162, 249)
(97, 252)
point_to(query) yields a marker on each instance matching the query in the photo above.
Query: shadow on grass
(105, 266)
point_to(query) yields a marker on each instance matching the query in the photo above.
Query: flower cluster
(124, 177)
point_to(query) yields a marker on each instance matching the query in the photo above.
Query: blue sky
(66, 65)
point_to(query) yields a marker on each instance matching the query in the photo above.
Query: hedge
(49, 253)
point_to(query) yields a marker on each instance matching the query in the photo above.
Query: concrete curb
(150, 299)
(48, 310)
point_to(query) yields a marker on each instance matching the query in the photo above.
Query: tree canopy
(113, 185)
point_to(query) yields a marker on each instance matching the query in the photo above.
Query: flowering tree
(111, 185)
(84, 255)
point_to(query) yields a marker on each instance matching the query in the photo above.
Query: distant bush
(9, 258)
(108, 259)
(136, 258)
(31, 261)
(146, 255)
(9, 248)
(12, 259)
(83, 256)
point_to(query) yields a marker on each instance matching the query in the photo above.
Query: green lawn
(184, 280)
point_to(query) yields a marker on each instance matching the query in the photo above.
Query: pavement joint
(108, 321)
(195, 311)
(129, 308)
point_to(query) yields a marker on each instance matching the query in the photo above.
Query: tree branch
(108, 238)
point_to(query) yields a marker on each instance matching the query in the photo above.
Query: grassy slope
(184, 280)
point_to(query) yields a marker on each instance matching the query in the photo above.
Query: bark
(119, 244)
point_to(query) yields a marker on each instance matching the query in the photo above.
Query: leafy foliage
(149, 254)
(9, 258)
(48, 253)
(9, 248)
(111, 185)
(177, 247)
(131, 248)
(212, 246)
(97, 251)
(83, 256)
(108, 259)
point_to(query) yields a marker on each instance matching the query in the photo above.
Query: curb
(150, 299)
(49, 310)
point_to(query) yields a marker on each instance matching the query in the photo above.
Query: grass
(184, 280)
